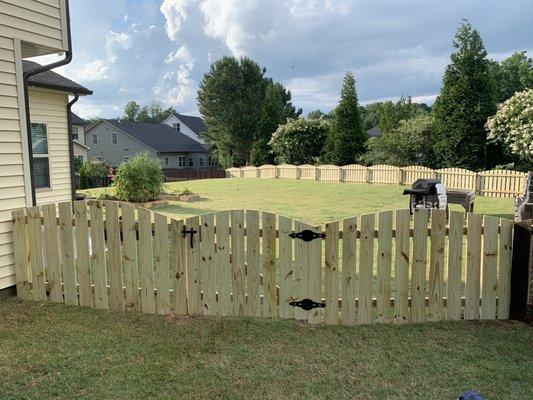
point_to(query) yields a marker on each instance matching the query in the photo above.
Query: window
(41, 160)
(114, 138)
(75, 133)
(95, 138)
(181, 161)
(126, 158)
(80, 158)
(166, 160)
(176, 125)
(201, 161)
(191, 162)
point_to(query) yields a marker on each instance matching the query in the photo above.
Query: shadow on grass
(184, 209)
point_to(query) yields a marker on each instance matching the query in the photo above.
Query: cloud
(177, 86)
(315, 8)
(175, 13)
(96, 70)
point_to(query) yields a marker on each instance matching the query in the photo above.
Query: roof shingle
(52, 80)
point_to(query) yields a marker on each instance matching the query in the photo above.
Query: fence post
(368, 175)
(401, 176)
(478, 184)
(276, 172)
(339, 174)
(298, 172)
(521, 302)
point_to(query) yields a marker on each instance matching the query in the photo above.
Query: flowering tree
(513, 124)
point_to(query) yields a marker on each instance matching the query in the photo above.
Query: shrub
(139, 179)
(89, 171)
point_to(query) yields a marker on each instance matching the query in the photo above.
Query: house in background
(374, 132)
(35, 151)
(113, 141)
(189, 125)
(78, 126)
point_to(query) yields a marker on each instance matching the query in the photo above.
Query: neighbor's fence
(496, 183)
(185, 174)
(380, 267)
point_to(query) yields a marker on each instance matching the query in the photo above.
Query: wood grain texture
(286, 273)
(35, 242)
(161, 265)
(366, 269)
(178, 266)
(505, 253)
(253, 267)
(348, 280)
(223, 263)
(21, 253)
(146, 266)
(490, 267)
(52, 253)
(402, 261)
(207, 263)
(436, 265)
(238, 263)
(418, 268)
(269, 265)
(98, 256)
(68, 269)
(455, 265)
(116, 297)
(384, 265)
(83, 271)
(473, 266)
(194, 278)
(129, 258)
(331, 273)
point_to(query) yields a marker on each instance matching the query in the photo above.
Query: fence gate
(384, 267)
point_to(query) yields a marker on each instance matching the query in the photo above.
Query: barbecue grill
(427, 193)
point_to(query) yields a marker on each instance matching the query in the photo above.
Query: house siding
(114, 153)
(183, 128)
(173, 160)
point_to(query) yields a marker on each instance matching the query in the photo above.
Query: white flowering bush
(513, 124)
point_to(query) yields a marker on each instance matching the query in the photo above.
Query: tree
(153, 113)
(411, 143)
(272, 115)
(390, 114)
(300, 141)
(130, 111)
(466, 100)
(514, 74)
(347, 136)
(513, 125)
(229, 99)
(318, 114)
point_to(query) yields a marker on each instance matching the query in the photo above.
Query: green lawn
(310, 201)
(58, 352)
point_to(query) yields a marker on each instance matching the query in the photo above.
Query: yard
(51, 351)
(309, 201)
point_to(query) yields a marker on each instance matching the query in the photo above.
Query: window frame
(176, 125)
(95, 136)
(190, 161)
(114, 135)
(182, 161)
(76, 135)
(166, 160)
(47, 156)
(201, 161)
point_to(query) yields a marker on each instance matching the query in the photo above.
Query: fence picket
(207, 261)
(300, 270)
(490, 267)
(473, 266)
(269, 265)
(455, 265)
(384, 265)
(314, 276)
(178, 266)
(161, 264)
(286, 278)
(366, 269)
(252, 262)
(331, 273)
(146, 268)
(83, 271)
(129, 257)
(224, 277)
(36, 254)
(194, 279)
(98, 257)
(349, 246)
(66, 236)
(418, 271)
(504, 268)
(237, 262)
(52, 253)
(21, 250)
(401, 274)
(436, 265)
(116, 298)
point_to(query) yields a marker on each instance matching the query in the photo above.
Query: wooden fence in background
(384, 267)
(496, 183)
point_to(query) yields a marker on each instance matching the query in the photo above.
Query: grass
(52, 351)
(310, 201)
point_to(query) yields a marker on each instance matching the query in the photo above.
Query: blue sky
(154, 50)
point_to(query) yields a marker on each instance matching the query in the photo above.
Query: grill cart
(431, 193)
(427, 193)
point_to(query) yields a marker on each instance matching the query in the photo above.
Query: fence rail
(496, 183)
(384, 267)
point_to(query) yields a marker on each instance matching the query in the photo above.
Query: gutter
(26, 76)
(71, 146)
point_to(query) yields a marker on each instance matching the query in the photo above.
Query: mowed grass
(309, 201)
(57, 352)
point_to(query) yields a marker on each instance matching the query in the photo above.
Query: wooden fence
(384, 267)
(496, 183)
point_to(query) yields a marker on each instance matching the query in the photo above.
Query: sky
(154, 50)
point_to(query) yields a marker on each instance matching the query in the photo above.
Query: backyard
(309, 201)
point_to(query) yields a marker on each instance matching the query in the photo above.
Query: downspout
(71, 146)
(26, 76)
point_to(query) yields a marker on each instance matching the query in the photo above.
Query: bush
(89, 171)
(140, 179)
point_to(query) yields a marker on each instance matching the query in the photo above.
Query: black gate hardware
(307, 235)
(191, 231)
(307, 304)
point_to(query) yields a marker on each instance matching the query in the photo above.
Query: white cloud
(315, 8)
(96, 70)
(177, 86)
(181, 56)
(175, 12)
(120, 40)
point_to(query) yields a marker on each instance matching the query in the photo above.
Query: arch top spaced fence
(495, 183)
(383, 267)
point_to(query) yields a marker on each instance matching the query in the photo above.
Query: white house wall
(183, 128)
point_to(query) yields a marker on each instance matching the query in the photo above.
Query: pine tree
(346, 140)
(466, 100)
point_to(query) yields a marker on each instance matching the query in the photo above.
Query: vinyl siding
(12, 189)
(40, 24)
(51, 108)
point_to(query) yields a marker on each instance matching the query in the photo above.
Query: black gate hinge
(191, 232)
(307, 235)
(307, 304)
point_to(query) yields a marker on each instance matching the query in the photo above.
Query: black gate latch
(307, 235)
(191, 231)
(307, 304)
